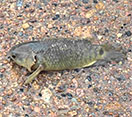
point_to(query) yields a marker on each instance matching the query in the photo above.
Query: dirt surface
(89, 92)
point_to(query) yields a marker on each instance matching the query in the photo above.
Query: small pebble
(121, 27)
(106, 30)
(26, 6)
(46, 95)
(116, 1)
(1, 26)
(89, 85)
(40, 94)
(20, 33)
(100, 6)
(113, 106)
(33, 21)
(85, 1)
(87, 32)
(85, 21)
(74, 100)
(56, 17)
(90, 103)
(37, 109)
(21, 89)
(61, 88)
(26, 115)
(45, 2)
(124, 97)
(96, 90)
(100, 37)
(1, 75)
(121, 78)
(95, 1)
(72, 113)
(87, 7)
(55, 4)
(25, 25)
(129, 50)
(110, 93)
(69, 95)
(89, 78)
(129, 14)
(63, 95)
(128, 33)
(90, 13)
(119, 35)
(78, 31)
(19, 3)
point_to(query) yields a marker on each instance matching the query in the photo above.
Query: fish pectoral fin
(34, 74)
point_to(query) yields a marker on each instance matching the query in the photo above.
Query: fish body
(60, 54)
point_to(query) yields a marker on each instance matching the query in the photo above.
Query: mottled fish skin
(56, 54)
(60, 54)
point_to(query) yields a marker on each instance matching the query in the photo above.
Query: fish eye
(13, 56)
(101, 51)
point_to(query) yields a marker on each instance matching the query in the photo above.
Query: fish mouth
(10, 57)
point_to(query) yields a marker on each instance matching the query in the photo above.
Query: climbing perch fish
(61, 54)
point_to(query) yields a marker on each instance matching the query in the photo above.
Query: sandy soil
(89, 92)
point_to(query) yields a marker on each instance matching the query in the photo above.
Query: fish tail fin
(114, 53)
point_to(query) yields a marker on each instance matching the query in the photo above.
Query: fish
(61, 54)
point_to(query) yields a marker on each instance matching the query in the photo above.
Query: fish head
(23, 56)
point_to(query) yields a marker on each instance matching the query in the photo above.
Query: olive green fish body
(68, 54)
(60, 54)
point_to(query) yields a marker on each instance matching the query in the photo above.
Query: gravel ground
(89, 92)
